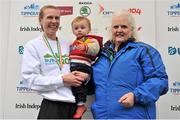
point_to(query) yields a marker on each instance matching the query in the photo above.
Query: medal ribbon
(59, 62)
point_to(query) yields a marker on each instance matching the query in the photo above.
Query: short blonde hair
(41, 12)
(80, 18)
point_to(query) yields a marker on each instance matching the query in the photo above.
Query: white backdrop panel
(168, 43)
(4, 37)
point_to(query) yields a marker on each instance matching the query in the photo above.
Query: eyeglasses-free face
(121, 30)
(50, 22)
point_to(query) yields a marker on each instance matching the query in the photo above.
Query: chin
(120, 40)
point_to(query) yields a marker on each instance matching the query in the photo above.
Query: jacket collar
(109, 52)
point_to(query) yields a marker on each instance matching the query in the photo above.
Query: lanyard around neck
(59, 62)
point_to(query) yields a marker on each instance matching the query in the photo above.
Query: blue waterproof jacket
(136, 67)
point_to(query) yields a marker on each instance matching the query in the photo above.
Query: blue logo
(22, 87)
(174, 10)
(32, 6)
(175, 89)
(173, 50)
(176, 84)
(174, 7)
(31, 10)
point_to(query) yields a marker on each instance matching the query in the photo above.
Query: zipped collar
(109, 52)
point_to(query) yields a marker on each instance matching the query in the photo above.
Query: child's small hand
(83, 75)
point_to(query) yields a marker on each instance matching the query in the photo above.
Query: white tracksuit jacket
(41, 72)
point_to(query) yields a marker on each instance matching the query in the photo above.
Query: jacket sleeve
(93, 47)
(31, 72)
(155, 81)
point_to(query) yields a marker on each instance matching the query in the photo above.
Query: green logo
(85, 11)
(49, 59)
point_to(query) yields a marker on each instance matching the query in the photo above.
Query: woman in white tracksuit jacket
(46, 69)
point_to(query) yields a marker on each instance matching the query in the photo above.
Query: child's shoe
(80, 111)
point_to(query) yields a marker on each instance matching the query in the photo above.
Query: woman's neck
(52, 37)
(117, 45)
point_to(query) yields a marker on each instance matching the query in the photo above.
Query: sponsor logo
(173, 29)
(22, 87)
(173, 50)
(174, 10)
(27, 106)
(104, 12)
(20, 49)
(65, 10)
(27, 28)
(49, 59)
(101, 8)
(175, 89)
(135, 11)
(175, 107)
(85, 3)
(85, 11)
(107, 13)
(31, 10)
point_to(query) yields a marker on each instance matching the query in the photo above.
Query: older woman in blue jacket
(129, 76)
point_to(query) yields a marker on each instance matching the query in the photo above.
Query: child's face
(80, 28)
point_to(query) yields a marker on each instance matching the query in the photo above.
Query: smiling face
(121, 29)
(50, 21)
(80, 28)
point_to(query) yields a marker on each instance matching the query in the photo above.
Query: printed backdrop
(157, 24)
